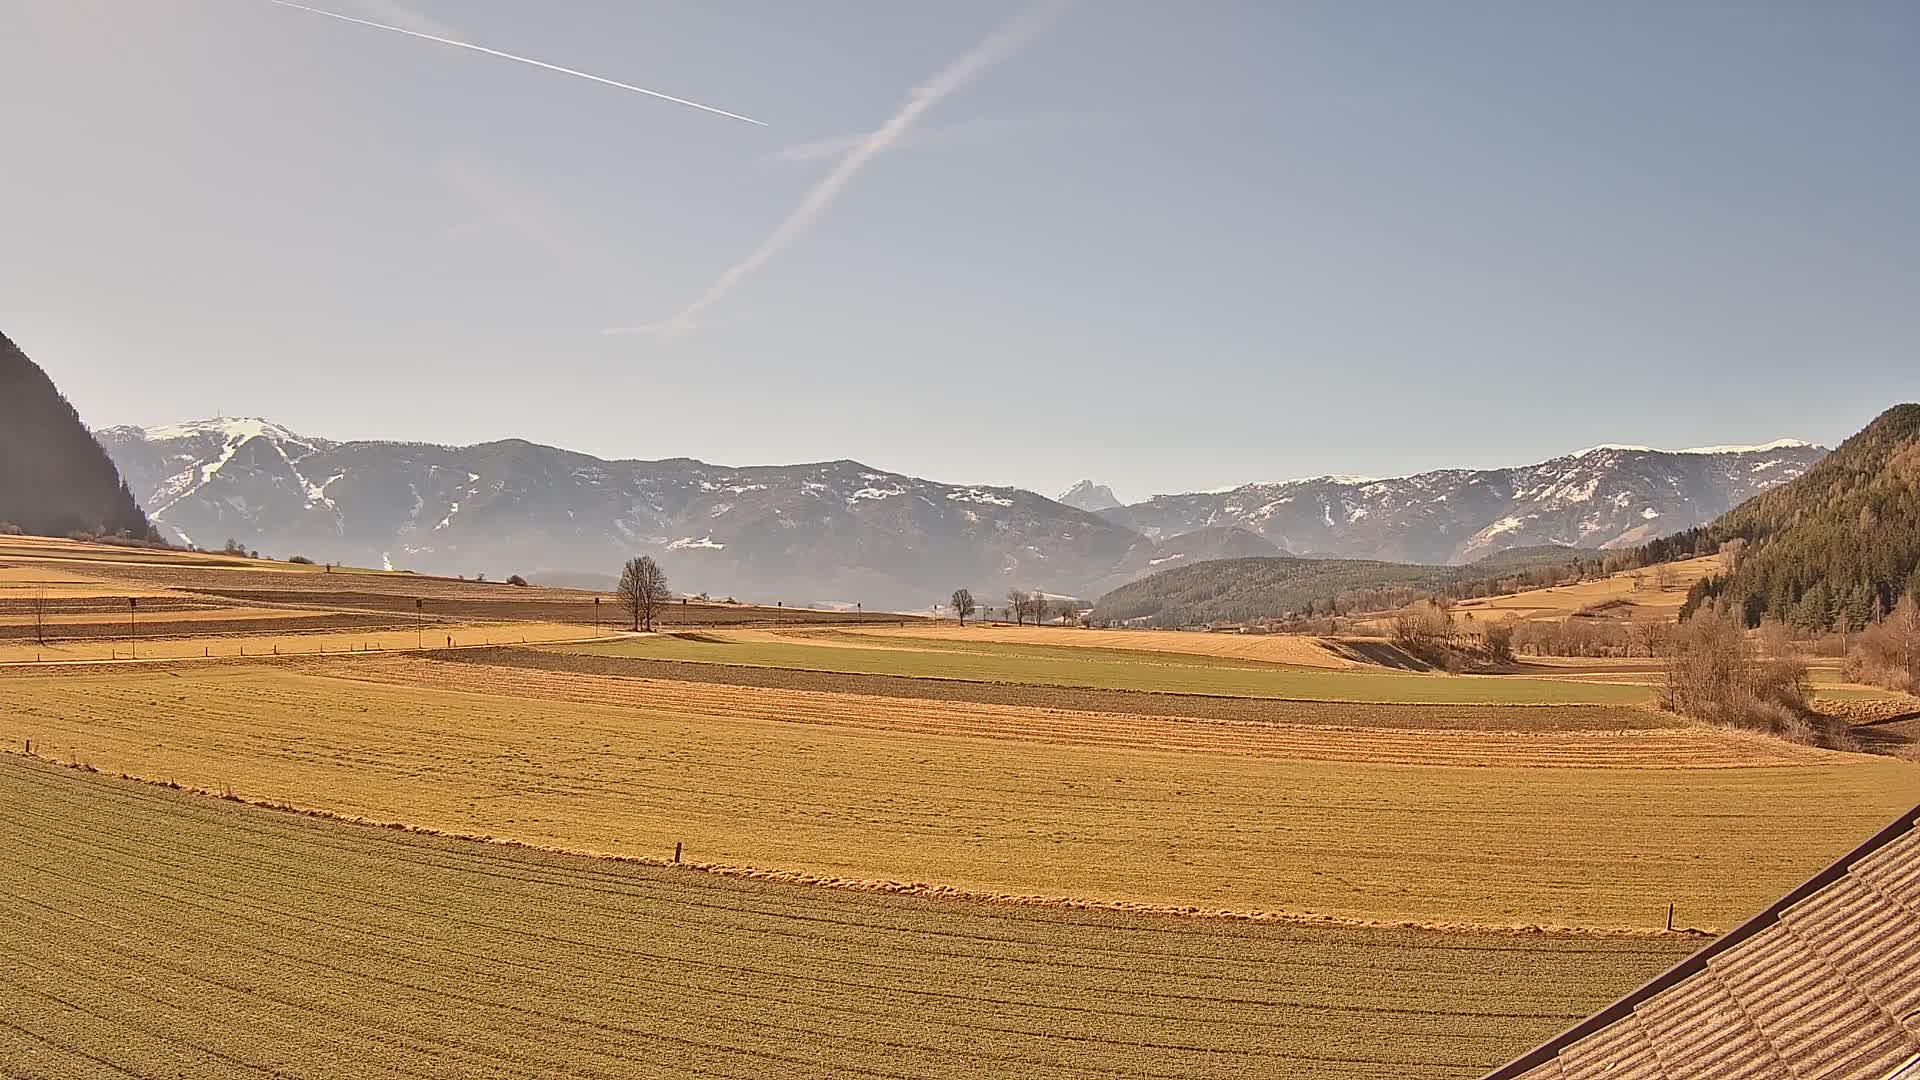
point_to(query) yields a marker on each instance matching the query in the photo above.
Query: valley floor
(152, 932)
(909, 853)
(1596, 828)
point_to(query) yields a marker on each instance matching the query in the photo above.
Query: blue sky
(1167, 246)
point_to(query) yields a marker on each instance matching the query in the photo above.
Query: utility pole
(419, 623)
(133, 634)
(596, 616)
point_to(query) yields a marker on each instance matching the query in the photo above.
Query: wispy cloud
(1002, 43)
(971, 132)
(443, 40)
(501, 207)
(668, 328)
(498, 211)
(402, 16)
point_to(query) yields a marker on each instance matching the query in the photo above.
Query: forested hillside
(54, 478)
(1240, 590)
(1840, 543)
(1247, 590)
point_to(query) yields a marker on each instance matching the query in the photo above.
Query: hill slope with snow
(1602, 497)
(841, 531)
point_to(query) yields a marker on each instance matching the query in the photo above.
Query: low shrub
(1714, 672)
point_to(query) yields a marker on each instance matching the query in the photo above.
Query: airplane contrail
(997, 46)
(520, 59)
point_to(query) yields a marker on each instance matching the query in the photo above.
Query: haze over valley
(846, 532)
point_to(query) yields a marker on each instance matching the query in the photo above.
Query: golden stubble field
(1638, 595)
(152, 932)
(873, 792)
(178, 642)
(65, 600)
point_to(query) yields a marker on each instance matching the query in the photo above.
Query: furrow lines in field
(675, 890)
(1113, 982)
(533, 1025)
(1023, 822)
(248, 912)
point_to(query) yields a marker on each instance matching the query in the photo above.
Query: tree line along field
(999, 801)
(152, 932)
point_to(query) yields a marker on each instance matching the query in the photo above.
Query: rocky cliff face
(1089, 496)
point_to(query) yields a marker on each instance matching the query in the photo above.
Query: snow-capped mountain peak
(1089, 496)
(1777, 444)
(231, 428)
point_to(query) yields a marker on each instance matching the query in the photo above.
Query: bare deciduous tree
(1651, 637)
(1888, 653)
(1733, 549)
(1018, 603)
(40, 615)
(963, 604)
(643, 590)
(1425, 625)
(1663, 576)
(1714, 672)
(1037, 606)
(1499, 638)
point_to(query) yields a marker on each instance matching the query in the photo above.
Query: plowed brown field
(154, 933)
(852, 795)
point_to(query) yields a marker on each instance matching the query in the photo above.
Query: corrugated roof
(1824, 983)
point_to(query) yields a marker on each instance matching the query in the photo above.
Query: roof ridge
(1698, 961)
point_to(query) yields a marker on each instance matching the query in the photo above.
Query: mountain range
(845, 532)
(1602, 497)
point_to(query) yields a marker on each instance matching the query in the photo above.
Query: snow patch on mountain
(231, 429)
